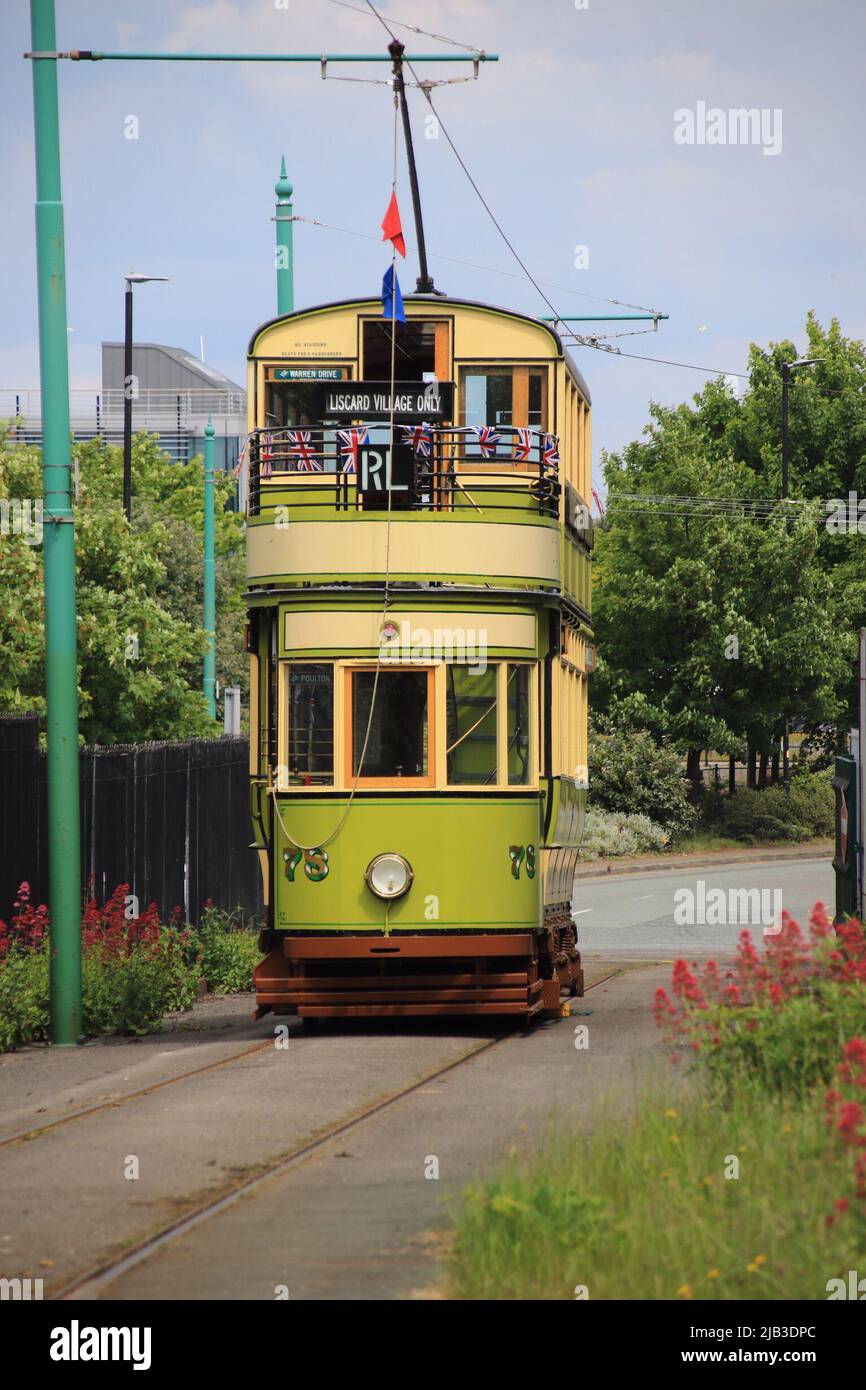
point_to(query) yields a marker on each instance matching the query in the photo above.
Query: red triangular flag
(392, 227)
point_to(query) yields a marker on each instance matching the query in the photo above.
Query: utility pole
(61, 654)
(284, 255)
(209, 573)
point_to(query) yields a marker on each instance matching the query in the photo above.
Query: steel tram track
(102, 1274)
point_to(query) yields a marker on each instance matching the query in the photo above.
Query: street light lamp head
(135, 278)
(806, 361)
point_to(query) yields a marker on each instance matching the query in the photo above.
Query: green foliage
(788, 1050)
(130, 993)
(754, 816)
(671, 589)
(227, 951)
(24, 999)
(139, 595)
(653, 1215)
(630, 772)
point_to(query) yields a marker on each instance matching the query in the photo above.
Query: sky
(576, 137)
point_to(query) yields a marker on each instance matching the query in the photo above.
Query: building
(176, 393)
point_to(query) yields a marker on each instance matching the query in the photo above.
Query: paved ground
(631, 916)
(211, 1102)
(362, 1218)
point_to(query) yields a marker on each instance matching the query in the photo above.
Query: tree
(718, 624)
(139, 635)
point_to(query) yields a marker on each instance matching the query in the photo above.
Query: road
(212, 1162)
(631, 916)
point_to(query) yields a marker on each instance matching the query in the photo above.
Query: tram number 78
(519, 854)
(316, 865)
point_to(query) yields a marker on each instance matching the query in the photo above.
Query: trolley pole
(209, 573)
(61, 684)
(284, 254)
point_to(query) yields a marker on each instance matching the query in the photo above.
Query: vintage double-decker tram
(420, 639)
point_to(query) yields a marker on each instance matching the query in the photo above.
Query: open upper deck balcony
(499, 473)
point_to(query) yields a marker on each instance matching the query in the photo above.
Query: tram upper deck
(491, 431)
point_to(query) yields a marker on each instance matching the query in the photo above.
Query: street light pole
(130, 386)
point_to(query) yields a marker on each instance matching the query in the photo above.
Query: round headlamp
(389, 876)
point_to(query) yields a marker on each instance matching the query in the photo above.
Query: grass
(641, 1208)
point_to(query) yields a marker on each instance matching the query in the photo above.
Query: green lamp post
(283, 258)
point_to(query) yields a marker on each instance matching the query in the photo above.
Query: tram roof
(434, 301)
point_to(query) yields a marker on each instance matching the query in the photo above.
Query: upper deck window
(500, 395)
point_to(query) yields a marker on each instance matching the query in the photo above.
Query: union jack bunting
(266, 454)
(487, 440)
(300, 448)
(350, 443)
(523, 447)
(242, 456)
(419, 436)
(550, 449)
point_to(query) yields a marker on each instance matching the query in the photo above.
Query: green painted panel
(459, 851)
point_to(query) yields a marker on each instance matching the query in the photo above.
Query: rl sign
(380, 471)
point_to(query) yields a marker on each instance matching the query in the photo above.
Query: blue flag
(390, 288)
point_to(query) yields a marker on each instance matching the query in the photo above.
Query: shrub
(754, 816)
(630, 773)
(24, 999)
(611, 833)
(780, 1016)
(228, 951)
(813, 802)
(130, 991)
(134, 970)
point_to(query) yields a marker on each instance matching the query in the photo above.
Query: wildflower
(684, 1291)
(671, 1114)
(760, 1259)
(712, 1274)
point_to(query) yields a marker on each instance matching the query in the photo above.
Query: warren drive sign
(371, 400)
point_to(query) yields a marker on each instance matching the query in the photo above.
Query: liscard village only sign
(371, 400)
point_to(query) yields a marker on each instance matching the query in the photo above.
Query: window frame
(430, 781)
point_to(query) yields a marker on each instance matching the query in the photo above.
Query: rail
(435, 468)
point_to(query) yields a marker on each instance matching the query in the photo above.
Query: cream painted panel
(348, 629)
(421, 547)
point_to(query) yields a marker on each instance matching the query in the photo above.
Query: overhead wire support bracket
(88, 55)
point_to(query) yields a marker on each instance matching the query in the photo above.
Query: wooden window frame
(392, 783)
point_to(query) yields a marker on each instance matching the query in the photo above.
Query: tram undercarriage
(520, 974)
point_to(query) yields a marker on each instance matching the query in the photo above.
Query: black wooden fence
(170, 819)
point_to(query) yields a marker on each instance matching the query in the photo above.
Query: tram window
(518, 726)
(293, 404)
(471, 731)
(311, 725)
(399, 745)
(488, 396)
(414, 350)
(536, 400)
